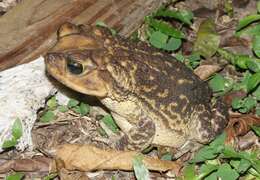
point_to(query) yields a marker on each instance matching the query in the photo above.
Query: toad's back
(165, 87)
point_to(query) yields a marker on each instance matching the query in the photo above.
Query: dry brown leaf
(90, 158)
(205, 71)
(239, 125)
(37, 163)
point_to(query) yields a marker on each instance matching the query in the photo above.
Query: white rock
(23, 90)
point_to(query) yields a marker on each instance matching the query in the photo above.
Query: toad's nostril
(50, 57)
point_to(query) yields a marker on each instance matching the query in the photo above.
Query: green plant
(161, 34)
(217, 160)
(141, 172)
(17, 132)
(15, 176)
(53, 106)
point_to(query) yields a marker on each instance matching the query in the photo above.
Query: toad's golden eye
(74, 67)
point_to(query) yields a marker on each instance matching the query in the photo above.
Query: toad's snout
(55, 63)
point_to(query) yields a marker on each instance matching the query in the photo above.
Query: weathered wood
(28, 30)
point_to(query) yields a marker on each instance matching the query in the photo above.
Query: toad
(153, 98)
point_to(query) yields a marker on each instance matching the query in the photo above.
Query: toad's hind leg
(219, 116)
(208, 122)
(139, 137)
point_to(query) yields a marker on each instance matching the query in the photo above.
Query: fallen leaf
(91, 158)
(205, 71)
(239, 125)
(208, 40)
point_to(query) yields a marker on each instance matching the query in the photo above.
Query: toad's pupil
(74, 67)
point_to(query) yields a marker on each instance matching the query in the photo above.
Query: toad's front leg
(136, 136)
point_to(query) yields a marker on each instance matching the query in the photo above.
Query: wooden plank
(28, 30)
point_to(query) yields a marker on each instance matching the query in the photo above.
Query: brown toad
(153, 98)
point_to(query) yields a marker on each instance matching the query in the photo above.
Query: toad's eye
(74, 67)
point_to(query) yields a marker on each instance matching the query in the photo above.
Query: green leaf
(211, 151)
(17, 129)
(110, 123)
(256, 93)
(258, 6)
(50, 176)
(165, 28)
(76, 109)
(102, 132)
(172, 44)
(194, 57)
(226, 172)
(243, 84)
(248, 103)
(113, 177)
(183, 15)
(167, 156)
(63, 108)
(247, 20)
(207, 169)
(229, 56)
(241, 166)
(102, 24)
(229, 152)
(204, 154)
(244, 105)
(179, 57)
(252, 30)
(141, 172)
(47, 117)
(194, 60)
(228, 7)
(241, 61)
(256, 45)
(15, 176)
(253, 64)
(256, 164)
(237, 103)
(208, 40)
(158, 39)
(256, 130)
(253, 82)
(253, 173)
(189, 172)
(217, 83)
(244, 165)
(218, 141)
(257, 111)
(52, 103)
(84, 109)
(72, 103)
(235, 163)
(212, 176)
(9, 143)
